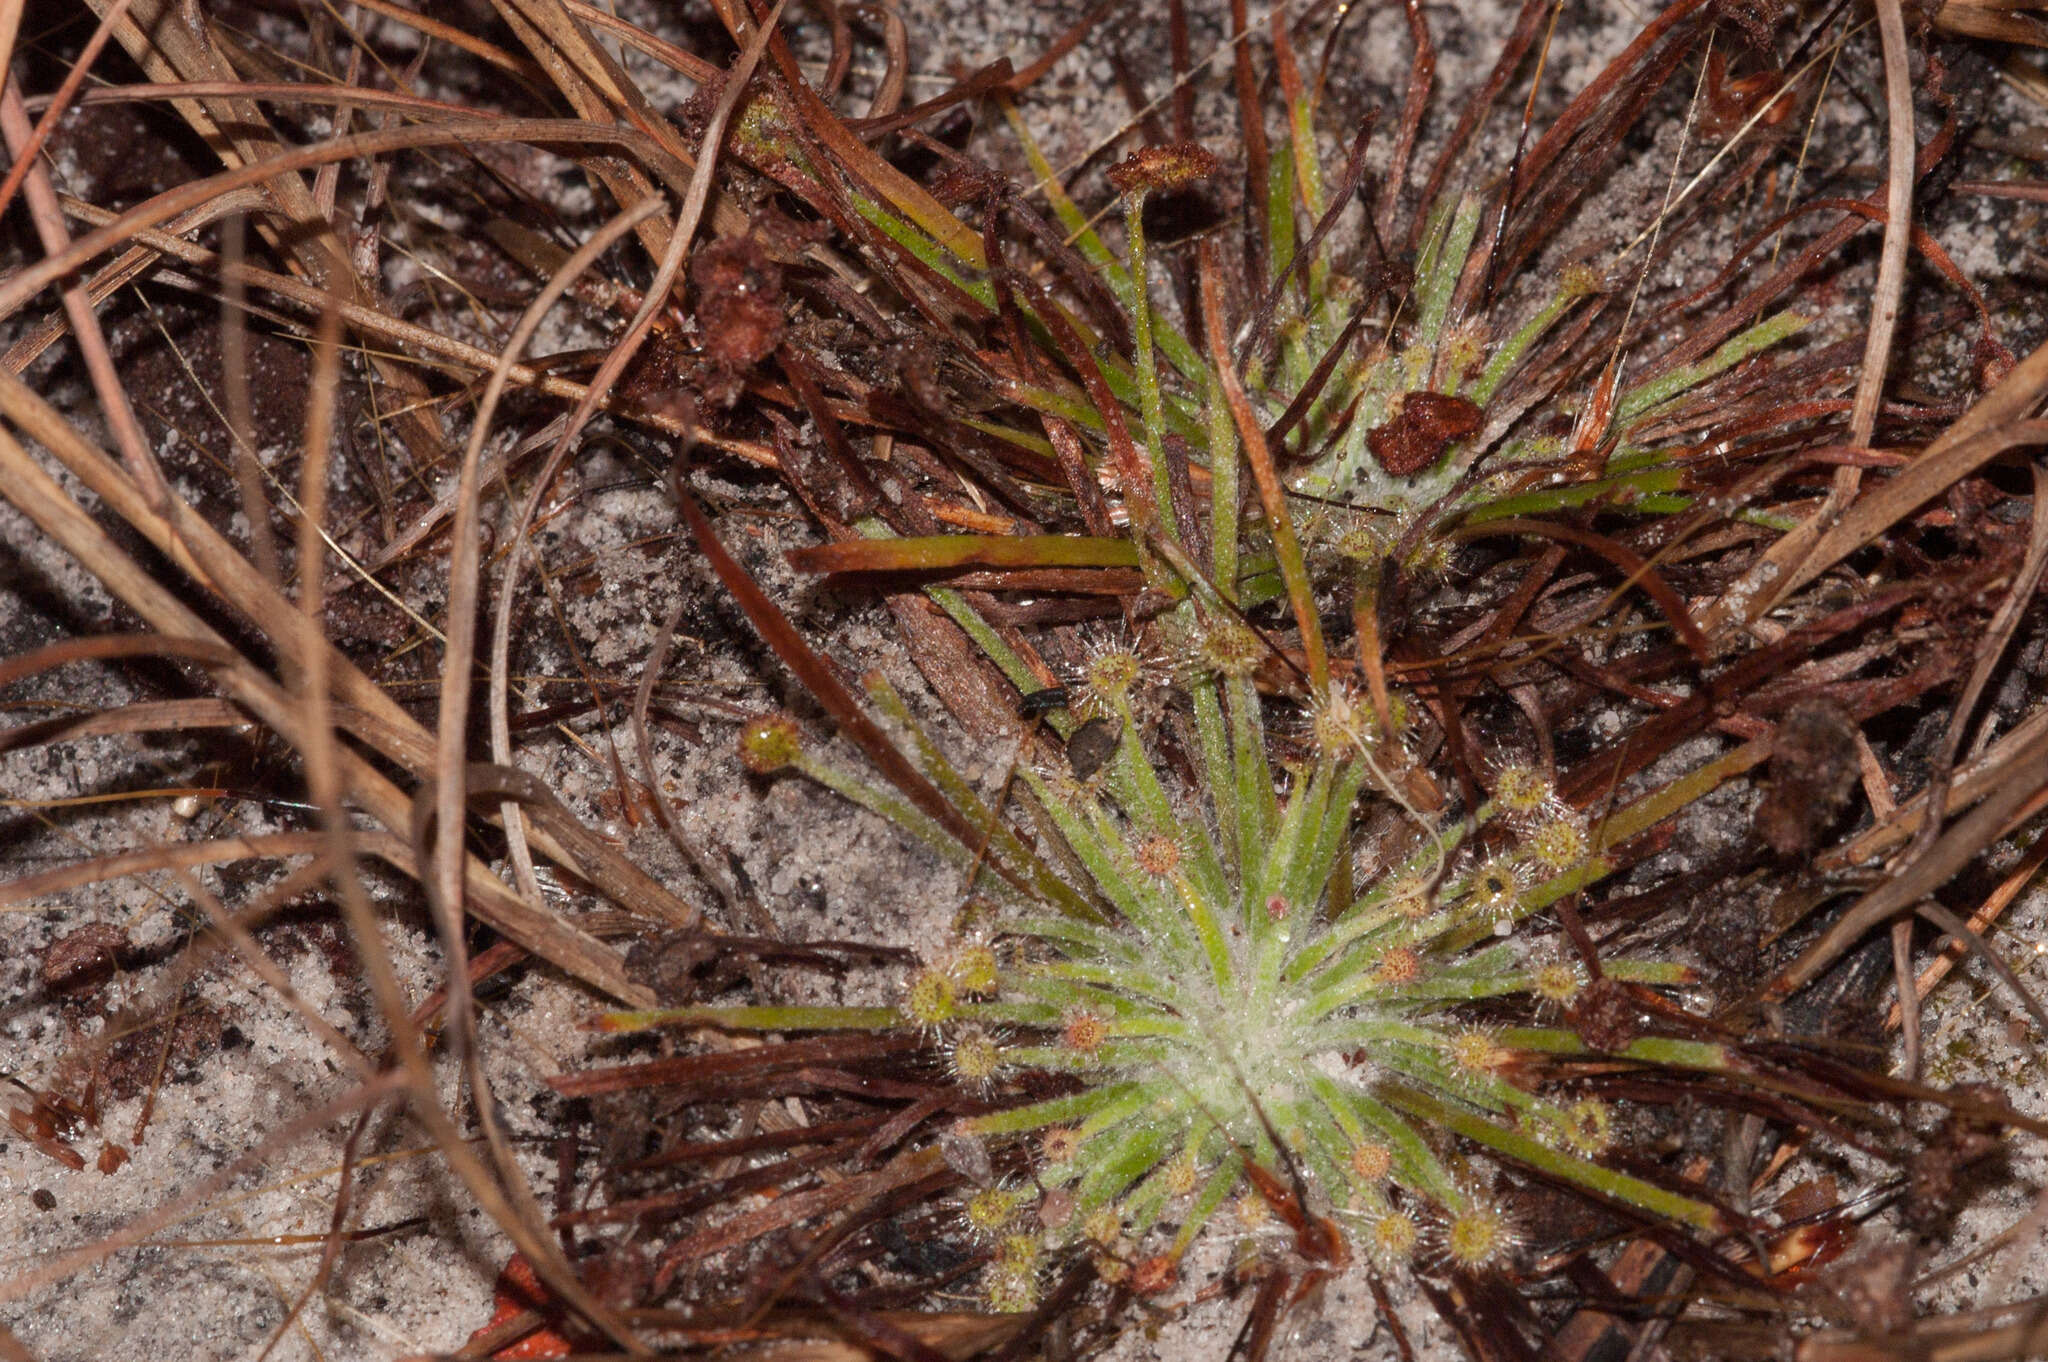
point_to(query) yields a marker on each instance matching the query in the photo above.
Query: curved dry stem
(25, 889)
(127, 267)
(426, 344)
(26, 154)
(115, 408)
(503, 1193)
(451, 753)
(2002, 806)
(1995, 423)
(444, 857)
(198, 549)
(1898, 226)
(614, 364)
(25, 284)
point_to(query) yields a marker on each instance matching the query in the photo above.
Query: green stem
(1437, 279)
(1534, 1154)
(1224, 492)
(1138, 303)
(1096, 1108)
(1654, 392)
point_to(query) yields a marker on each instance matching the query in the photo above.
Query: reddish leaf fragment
(520, 1291)
(1421, 430)
(1156, 1274)
(38, 1134)
(942, 552)
(739, 308)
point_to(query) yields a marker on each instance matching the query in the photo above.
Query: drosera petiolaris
(1402, 386)
(1231, 966)
(1216, 963)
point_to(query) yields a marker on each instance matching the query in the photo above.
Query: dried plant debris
(1812, 771)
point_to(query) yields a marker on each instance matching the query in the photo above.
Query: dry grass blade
(1996, 423)
(106, 646)
(24, 284)
(170, 47)
(41, 498)
(429, 345)
(183, 855)
(1957, 847)
(2001, 20)
(125, 268)
(600, 92)
(451, 751)
(368, 709)
(1996, 637)
(1898, 221)
(502, 1191)
(674, 246)
(142, 717)
(1944, 463)
(1970, 784)
(25, 155)
(1987, 913)
(1805, 552)
(85, 327)
(459, 39)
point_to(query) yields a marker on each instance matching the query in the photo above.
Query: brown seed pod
(1092, 744)
(1162, 170)
(1420, 430)
(83, 959)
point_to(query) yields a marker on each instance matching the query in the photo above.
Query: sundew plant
(1220, 979)
(1326, 401)
(1286, 970)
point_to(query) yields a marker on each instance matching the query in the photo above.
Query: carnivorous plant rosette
(1223, 995)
